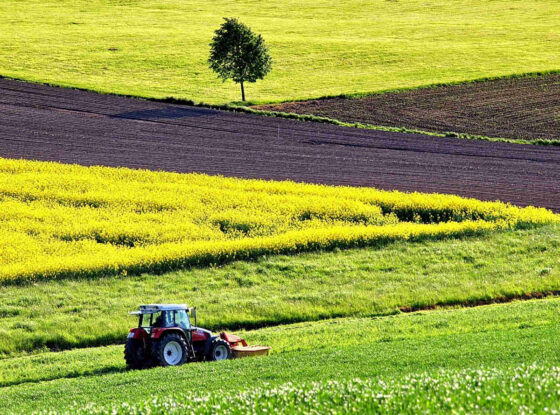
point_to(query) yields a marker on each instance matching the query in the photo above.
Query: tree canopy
(239, 54)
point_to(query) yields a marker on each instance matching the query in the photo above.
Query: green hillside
(158, 48)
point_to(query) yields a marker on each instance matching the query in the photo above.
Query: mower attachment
(240, 348)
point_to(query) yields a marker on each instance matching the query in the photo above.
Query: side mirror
(192, 310)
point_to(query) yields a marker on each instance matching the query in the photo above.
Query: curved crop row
(69, 221)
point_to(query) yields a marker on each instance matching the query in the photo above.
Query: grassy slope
(286, 289)
(319, 48)
(391, 347)
(324, 334)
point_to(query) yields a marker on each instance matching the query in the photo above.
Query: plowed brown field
(71, 126)
(518, 108)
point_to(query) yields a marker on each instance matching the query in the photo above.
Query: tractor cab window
(159, 319)
(146, 320)
(182, 319)
(163, 319)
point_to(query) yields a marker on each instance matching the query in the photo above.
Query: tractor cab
(160, 316)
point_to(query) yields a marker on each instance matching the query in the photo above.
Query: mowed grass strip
(320, 48)
(69, 221)
(324, 334)
(285, 289)
(497, 336)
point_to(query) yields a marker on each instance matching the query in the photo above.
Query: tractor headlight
(130, 335)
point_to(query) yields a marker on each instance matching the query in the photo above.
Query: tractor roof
(155, 308)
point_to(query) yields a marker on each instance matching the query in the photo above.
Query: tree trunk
(242, 92)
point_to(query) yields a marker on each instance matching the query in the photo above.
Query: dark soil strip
(72, 126)
(519, 108)
(481, 302)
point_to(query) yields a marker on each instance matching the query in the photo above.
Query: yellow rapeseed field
(61, 220)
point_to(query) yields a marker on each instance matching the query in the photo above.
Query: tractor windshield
(171, 318)
(182, 319)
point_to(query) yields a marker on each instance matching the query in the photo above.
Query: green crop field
(395, 351)
(157, 48)
(506, 390)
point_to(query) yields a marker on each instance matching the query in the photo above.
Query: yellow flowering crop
(61, 220)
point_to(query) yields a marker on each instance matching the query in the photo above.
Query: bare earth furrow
(515, 108)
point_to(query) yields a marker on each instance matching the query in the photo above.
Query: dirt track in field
(522, 108)
(44, 123)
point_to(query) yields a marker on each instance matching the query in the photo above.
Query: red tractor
(166, 337)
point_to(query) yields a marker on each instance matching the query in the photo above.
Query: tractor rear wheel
(219, 350)
(135, 354)
(171, 350)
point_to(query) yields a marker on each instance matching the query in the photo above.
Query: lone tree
(239, 54)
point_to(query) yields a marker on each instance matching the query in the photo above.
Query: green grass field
(515, 389)
(527, 388)
(500, 336)
(314, 335)
(157, 48)
(283, 289)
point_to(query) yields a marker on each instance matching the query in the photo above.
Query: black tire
(219, 350)
(135, 355)
(171, 350)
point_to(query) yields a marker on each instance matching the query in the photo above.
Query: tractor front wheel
(219, 350)
(135, 354)
(171, 350)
